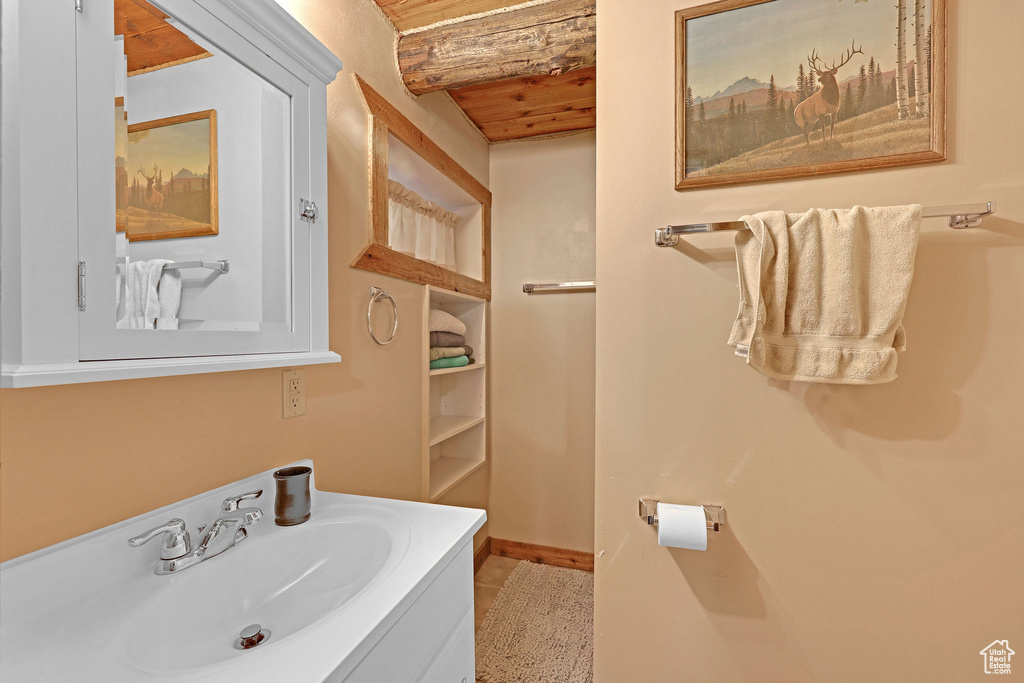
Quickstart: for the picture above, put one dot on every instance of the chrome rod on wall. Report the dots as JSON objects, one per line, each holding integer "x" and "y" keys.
{"x": 221, "y": 266}
{"x": 530, "y": 288}
{"x": 959, "y": 217}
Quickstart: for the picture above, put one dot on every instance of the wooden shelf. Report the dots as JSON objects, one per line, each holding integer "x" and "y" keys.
{"x": 447, "y": 426}
{"x": 444, "y": 296}
{"x": 449, "y": 371}
{"x": 455, "y": 443}
{"x": 446, "y": 473}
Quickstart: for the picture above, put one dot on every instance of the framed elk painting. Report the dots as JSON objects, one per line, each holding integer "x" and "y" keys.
{"x": 172, "y": 177}
{"x": 771, "y": 89}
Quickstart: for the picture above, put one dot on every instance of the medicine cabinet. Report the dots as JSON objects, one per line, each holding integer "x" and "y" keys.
{"x": 164, "y": 189}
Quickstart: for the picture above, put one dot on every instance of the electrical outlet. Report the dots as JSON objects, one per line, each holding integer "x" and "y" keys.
{"x": 294, "y": 396}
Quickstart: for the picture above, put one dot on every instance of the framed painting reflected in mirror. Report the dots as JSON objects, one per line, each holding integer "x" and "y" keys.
{"x": 172, "y": 177}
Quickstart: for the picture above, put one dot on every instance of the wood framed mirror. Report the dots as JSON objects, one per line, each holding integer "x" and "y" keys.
{"x": 408, "y": 168}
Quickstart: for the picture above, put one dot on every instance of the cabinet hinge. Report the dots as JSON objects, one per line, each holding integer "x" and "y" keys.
{"x": 308, "y": 211}
{"x": 81, "y": 285}
{"x": 78, "y": 5}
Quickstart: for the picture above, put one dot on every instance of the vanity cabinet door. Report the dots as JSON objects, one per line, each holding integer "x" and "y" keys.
{"x": 201, "y": 157}
{"x": 433, "y": 639}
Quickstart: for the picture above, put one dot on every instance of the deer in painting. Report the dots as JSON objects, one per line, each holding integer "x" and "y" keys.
{"x": 154, "y": 199}
{"x": 825, "y": 102}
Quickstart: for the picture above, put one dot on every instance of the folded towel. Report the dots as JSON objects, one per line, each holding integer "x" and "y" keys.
{"x": 450, "y": 351}
{"x": 455, "y": 362}
{"x": 447, "y": 352}
{"x": 446, "y": 339}
{"x": 442, "y": 321}
{"x": 142, "y": 302}
{"x": 822, "y": 294}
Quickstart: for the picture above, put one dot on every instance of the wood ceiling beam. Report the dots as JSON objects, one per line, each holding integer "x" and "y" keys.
{"x": 534, "y": 40}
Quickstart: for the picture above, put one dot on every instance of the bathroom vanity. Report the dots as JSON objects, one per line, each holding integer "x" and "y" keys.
{"x": 367, "y": 590}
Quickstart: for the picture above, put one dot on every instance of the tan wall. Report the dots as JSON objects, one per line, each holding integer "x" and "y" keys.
{"x": 75, "y": 458}
{"x": 874, "y": 533}
{"x": 542, "y": 346}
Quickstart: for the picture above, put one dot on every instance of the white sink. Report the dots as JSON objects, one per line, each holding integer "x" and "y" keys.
{"x": 93, "y": 609}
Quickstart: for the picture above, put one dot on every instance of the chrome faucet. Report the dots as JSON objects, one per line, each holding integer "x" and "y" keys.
{"x": 229, "y": 529}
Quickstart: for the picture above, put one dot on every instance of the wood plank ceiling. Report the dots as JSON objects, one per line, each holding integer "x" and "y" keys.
{"x": 555, "y": 88}
{"x": 149, "y": 41}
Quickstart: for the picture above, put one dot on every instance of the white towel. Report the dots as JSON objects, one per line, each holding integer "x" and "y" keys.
{"x": 169, "y": 298}
{"x": 142, "y": 302}
{"x": 822, "y": 294}
{"x": 442, "y": 321}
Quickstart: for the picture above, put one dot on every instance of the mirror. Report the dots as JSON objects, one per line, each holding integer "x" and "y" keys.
{"x": 429, "y": 218}
{"x": 203, "y": 182}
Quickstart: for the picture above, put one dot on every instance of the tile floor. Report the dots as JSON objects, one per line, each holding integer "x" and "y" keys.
{"x": 488, "y": 582}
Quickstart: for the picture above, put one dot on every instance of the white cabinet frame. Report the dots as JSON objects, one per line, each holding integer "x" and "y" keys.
{"x": 47, "y": 186}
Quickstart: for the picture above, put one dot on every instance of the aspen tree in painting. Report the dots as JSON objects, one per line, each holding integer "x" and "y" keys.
{"x": 800, "y": 87}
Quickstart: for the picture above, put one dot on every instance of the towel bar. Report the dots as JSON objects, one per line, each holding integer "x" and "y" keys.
{"x": 530, "y": 288}
{"x": 221, "y": 266}
{"x": 959, "y": 217}
{"x": 715, "y": 514}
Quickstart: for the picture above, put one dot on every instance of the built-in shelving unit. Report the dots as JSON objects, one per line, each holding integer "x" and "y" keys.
{"x": 450, "y": 371}
{"x": 455, "y": 405}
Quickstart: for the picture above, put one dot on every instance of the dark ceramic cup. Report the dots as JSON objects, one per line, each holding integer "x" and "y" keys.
{"x": 292, "y": 505}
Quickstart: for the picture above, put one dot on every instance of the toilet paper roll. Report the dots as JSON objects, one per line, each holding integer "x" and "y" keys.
{"x": 682, "y": 526}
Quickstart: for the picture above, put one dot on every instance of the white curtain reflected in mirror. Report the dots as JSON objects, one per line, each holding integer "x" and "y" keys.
{"x": 203, "y": 176}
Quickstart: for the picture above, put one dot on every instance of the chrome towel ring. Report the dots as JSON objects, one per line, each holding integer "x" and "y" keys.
{"x": 378, "y": 294}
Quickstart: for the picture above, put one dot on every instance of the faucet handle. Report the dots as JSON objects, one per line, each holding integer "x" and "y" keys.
{"x": 176, "y": 542}
{"x": 231, "y": 504}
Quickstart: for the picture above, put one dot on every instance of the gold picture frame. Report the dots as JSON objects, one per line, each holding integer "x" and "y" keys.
{"x": 184, "y": 205}
{"x": 835, "y": 119}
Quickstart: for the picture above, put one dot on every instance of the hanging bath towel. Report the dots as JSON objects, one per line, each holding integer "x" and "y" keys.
{"x": 822, "y": 294}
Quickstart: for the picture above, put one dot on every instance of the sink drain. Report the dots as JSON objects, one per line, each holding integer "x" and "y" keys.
{"x": 251, "y": 636}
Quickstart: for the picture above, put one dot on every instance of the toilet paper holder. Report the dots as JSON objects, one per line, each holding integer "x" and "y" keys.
{"x": 715, "y": 514}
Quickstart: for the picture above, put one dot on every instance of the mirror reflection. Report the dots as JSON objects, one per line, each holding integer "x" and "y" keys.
{"x": 203, "y": 182}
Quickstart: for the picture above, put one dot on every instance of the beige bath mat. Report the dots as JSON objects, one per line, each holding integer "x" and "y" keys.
{"x": 540, "y": 629}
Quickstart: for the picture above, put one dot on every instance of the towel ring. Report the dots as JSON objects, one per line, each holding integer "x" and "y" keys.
{"x": 378, "y": 294}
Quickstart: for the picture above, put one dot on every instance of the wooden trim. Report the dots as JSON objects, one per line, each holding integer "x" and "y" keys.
{"x": 378, "y": 181}
{"x": 404, "y": 129}
{"x": 211, "y": 115}
{"x": 936, "y": 154}
{"x": 558, "y": 557}
{"x": 384, "y": 119}
{"x": 176, "y": 62}
{"x": 481, "y": 555}
{"x": 938, "y": 93}
{"x": 380, "y": 259}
